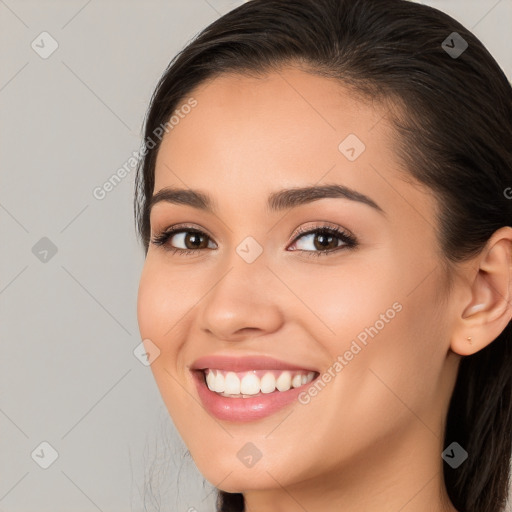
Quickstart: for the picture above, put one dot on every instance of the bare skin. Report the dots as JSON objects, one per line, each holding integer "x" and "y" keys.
{"x": 372, "y": 438}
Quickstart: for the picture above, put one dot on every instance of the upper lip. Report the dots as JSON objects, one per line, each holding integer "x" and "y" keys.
{"x": 244, "y": 363}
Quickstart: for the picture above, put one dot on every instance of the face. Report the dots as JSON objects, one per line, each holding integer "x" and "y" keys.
{"x": 345, "y": 288}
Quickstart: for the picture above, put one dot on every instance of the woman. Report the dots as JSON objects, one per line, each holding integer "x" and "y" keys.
{"x": 377, "y": 135}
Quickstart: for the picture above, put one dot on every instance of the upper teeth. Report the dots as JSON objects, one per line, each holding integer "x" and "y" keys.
{"x": 249, "y": 383}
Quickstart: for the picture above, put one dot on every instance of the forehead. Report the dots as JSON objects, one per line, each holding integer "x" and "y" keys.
{"x": 262, "y": 123}
{"x": 248, "y": 136}
{"x": 292, "y": 100}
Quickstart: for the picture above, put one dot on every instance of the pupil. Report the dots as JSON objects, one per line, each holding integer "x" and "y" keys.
{"x": 196, "y": 239}
{"x": 325, "y": 240}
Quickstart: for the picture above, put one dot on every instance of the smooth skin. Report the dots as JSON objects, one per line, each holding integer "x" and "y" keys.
{"x": 372, "y": 438}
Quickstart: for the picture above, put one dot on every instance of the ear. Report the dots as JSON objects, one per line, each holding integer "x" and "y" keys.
{"x": 489, "y": 285}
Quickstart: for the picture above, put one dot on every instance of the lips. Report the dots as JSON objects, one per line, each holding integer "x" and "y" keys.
{"x": 237, "y": 406}
{"x": 245, "y": 363}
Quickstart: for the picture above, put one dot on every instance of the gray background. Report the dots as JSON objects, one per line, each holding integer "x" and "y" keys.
{"x": 68, "y": 320}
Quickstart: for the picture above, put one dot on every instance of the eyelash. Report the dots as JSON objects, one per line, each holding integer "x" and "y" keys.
{"x": 349, "y": 240}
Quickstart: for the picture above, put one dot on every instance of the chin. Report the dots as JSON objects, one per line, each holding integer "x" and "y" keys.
{"x": 233, "y": 476}
{"x": 242, "y": 483}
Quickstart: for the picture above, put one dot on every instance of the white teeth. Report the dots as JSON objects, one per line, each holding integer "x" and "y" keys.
{"x": 219, "y": 382}
{"x": 268, "y": 383}
{"x": 284, "y": 381}
{"x": 230, "y": 384}
{"x": 250, "y": 384}
{"x": 297, "y": 381}
{"x": 210, "y": 380}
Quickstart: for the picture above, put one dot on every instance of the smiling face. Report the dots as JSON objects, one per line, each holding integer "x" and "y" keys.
{"x": 373, "y": 314}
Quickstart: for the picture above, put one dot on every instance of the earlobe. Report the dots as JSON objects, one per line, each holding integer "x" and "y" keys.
{"x": 489, "y": 311}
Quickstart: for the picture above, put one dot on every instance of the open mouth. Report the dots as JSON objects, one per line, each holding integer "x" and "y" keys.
{"x": 239, "y": 388}
{"x": 253, "y": 383}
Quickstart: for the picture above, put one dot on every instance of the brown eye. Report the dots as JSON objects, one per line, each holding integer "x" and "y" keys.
{"x": 195, "y": 240}
{"x": 187, "y": 240}
{"x": 323, "y": 240}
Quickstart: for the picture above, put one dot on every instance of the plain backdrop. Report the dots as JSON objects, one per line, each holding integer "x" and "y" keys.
{"x": 73, "y": 395}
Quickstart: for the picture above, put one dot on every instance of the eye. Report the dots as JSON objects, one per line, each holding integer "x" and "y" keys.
{"x": 192, "y": 240}
{"x": 323, "y": 240}
{"x": 316, "y": 241}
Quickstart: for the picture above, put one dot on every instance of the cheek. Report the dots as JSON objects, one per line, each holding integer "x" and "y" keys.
{"x": 390, "y": 334}
{"x": 158, "y": 310}
{"x": 148, "y": 299}
{"x": 339, "y": 302}
{"x": 163, "y": 311}
{"x": 161, "y": 302}
{"x": 400, "y": 362}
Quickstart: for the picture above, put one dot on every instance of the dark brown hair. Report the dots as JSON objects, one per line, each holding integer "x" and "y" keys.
{"x": 453, "y": 127}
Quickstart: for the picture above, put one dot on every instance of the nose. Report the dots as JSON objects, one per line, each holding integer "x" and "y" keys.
{"x": 242, "y": 303}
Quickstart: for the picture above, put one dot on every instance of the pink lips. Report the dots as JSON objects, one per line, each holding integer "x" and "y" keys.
{"x": 246, "y": 363}
{"x": 243, "y": 409}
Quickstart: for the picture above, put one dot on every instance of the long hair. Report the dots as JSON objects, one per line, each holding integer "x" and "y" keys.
{"x": 453, "y": 129}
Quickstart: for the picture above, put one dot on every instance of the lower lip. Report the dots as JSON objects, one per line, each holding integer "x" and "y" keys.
{"x": 244, "y": 409}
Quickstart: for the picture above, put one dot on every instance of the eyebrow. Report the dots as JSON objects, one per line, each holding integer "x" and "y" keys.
{"x": 277, "y": 201}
